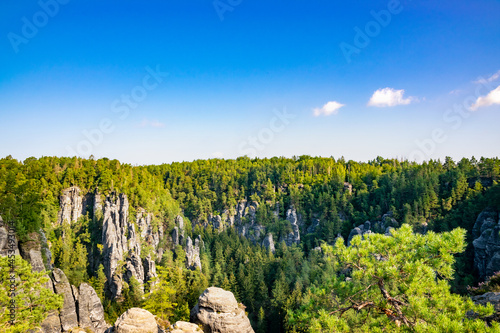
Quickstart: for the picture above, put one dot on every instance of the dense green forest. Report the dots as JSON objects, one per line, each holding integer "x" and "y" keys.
{"x": 282, "y": 291}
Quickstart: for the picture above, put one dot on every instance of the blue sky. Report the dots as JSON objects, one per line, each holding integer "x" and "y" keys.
{"x": 419, "y": 79}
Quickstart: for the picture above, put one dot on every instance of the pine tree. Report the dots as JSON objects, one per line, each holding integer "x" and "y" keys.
{"x": 32, "y": 300}
{"x": 397, "y": 282}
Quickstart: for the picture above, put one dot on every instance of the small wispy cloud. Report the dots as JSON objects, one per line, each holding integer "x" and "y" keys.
{"x": 151, "y": 123}
{"x": 492, "y": 78}
{"x": 387, "y": 97}
{"x": 456, "y": 92}
{"x": 328, "y": 109}
{"x": 492, "y": 98}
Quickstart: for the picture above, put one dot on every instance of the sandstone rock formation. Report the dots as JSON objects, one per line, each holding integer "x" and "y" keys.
{"x": 218, "y": 311}
{"x": 5, "y": 247}
{"x": 494, "y": 299}
{"x": 67, "y": 313}
{"x": 72, "y": 205}
{"x": 294, "y": 236}
{"x": 193, "y": 260}
{"x": 383, "y": 226}
{"x": 90, "y": 310}
{"x": 178, "y": 232}
{"x": 268, "y": 243}
{"x": 121, "y": 243}
{"x": 136, "y": 320}
{"x": 185, "y": 327}
{"x": 487, "y": 243}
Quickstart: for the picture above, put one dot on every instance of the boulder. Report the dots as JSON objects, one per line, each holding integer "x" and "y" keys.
{"x": 136, "y": 320}
{"x": 218, "y": 311}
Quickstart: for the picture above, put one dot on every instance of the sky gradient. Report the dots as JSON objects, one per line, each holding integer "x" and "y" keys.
{"x": 163, "y": 81}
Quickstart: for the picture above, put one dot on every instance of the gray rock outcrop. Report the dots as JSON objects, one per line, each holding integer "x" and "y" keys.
{"x": 72, "y": 205}
{"x": 178, "y": 232}
{"x": 136, "y": 320}
{"x": 382, "y": 226}
{"x": 90, "y": 310}
{"x": 218, "y": 311}
{"x": 487, "y": 243}
{"x": 120, "y": 244}
{"x": 67, "y": 314}
{"x": 294, "y": 236}
{"x": 494, "y": 299}
{"x": 193, "y": 260}
{"x": 268, "y": 243}
{"x": 150, "y": 232}
{"x": 5, "y": 247}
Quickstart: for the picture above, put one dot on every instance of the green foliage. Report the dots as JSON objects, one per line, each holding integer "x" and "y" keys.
{"x": 276, "y": 288}
{"x": 32, "y": 299}
{"x": 174, "y": 292}
{"x": 397, "y": 282}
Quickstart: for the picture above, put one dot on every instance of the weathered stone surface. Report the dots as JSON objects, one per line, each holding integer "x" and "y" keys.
{"x": 185, "y": 327}
{"x": 36, "y": 260}
{"x": 217, "y": 223}
{"x": 314, "y": 227}
{"x": 136, "y": 320}
{"x": 51, "y": 324}
{"x": 294, "y": 236}
{"x": 149, "y": 269}
{"x": 5, "y": 247}
{"x": 148, "y": 232}
{"x": 90, "y": 309}
{"x": 120, "y": 242}
{"x": 175, "y": 236}
{"x": 67, "y": 313}
{"x": 193, "y": 260}
{"x": 268, "y": 243}
{"x": 72, "y": 205}
{"x": 45, "y": 250}
{"x": 487, "y": 243}
{"x": 385, "y": 225}
{"x": 218, "y": 311}
{"x": 494, "y": 299}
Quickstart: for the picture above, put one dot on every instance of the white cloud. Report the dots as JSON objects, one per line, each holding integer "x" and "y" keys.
{"x": 153, "y": 123}
{"x": 389, "y": 97}
{"x": 492, "y": 98}
{"x": 492, "y": 78}
{"x": 328, "y": 109}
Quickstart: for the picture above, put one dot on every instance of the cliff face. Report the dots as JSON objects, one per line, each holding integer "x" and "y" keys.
{"x": 121, "y": 238}
{"x": 72, "y": 205}
{"x": 122, "y": 244}
{"x": 487, "y": 243}
{"x": 82, "y": 308}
